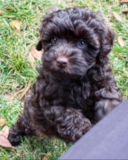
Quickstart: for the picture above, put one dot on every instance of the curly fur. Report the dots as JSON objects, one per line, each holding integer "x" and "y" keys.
{"x": 68, "y": 98}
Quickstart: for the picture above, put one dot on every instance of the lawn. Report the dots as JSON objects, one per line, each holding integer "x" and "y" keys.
{"x": 16, "y": 70}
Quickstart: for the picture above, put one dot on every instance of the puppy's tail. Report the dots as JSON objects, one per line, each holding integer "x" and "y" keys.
{"x": 52, "y": 9}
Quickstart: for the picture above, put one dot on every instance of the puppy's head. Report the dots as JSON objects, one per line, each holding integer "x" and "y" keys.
{"x": 74, "y": 40}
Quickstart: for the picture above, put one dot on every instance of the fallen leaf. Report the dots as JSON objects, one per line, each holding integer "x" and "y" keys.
{"x": 10, "y": 9}
{"x": 125, "y": 12}
{"x": 2, "y": 122}
{"x": 26, "y": 89}
{"x": 46, "y": 156}
{"x": 124, "y": 1}
{"x": 31, "y": 58}
{"x": 120, "y": 41}
{"x": 11, "y": 97}
{"x": 70, "y": 4}
{"x": 1, "y": 12}
{"x": 15, "y": 24}
{"x": 5, "y": 142}
{"x": 5, "y": 131}
{"x": 117, "y": 16}
{"x": 37, "y": 54}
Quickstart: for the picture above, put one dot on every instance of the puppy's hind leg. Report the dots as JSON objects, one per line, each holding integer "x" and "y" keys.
{"x": 25, "y": 124}
{"x": 109, "y": 99}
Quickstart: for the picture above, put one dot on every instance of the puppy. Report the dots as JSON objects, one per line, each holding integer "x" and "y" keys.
{"x": 75, "y": 87}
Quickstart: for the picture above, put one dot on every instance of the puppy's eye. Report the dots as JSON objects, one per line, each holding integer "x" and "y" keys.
{"x": 81, "y": 43}
{"x": 54, "y": 40}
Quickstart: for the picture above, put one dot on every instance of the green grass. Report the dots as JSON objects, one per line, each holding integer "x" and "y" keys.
{"x": 16, "y": 71}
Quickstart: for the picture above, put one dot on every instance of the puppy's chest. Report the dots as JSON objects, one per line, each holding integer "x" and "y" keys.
{"x": 72, "y": 96}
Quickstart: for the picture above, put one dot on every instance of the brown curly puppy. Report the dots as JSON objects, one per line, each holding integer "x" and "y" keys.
{"x": 75, "y": 87}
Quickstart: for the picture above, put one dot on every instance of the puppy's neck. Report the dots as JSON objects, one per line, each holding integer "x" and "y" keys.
{"x": 78, "y": 80}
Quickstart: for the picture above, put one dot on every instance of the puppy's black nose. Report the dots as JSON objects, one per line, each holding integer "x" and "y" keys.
{"x": 62, "y": 62}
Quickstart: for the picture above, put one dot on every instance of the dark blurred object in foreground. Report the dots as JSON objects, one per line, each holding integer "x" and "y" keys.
{"x": 108, "y": 139}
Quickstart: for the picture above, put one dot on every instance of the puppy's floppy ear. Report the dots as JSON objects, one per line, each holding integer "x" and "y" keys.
{"x": 39, "y": 45}
{"x": 106, "y": 40}
{"x": 43, "y": 25}
{"x": 52, "y": 9}
{"x": 46, "y": 18}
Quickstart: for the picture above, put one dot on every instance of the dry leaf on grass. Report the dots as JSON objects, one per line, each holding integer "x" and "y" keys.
{"x": 125, "y": 12}
{"x": 31, "y": 58}
{"x": 37, "y": 54}
{"x": 5, "y": 131}
{"x": 15, "y": 24}
{"x": 10, "y": 9}
{"x": 46, "y": 156}
{"x": 124, "y": 1}
{"x": 2, "y": 122}
{"x": 5, "y": 142}
{"x": 120, "y": 41}
{"x": 1, "y": 12}
{"x": 11, "y": 97}
{"x": 117, "y": 16}
{"x": 26, "y": 89}
{"x": 70, "y": 4}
